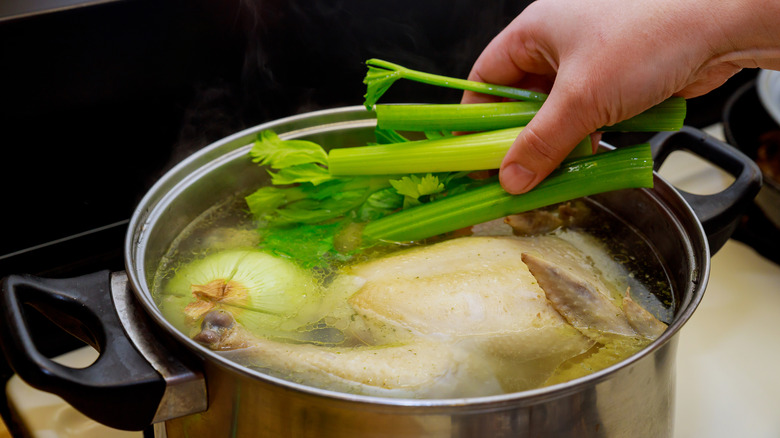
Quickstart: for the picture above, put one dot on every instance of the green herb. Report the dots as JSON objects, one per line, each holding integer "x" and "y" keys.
{"x": 413, "y": 188}
{"x": 382, "y": 74}
{"x": 293, "y": 160}
{"x": 305, "y": 209}
{"x": 666, "y": 116}
{"x": 305, "y": 220}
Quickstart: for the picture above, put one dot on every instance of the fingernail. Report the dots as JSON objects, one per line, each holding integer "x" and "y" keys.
{"x": 516, "y": 179}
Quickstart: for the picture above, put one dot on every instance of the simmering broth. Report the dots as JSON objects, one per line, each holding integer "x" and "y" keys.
{"x": 473, "y": 321}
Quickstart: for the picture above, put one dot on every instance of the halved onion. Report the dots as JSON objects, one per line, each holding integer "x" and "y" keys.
{"x": 263, "y": 292}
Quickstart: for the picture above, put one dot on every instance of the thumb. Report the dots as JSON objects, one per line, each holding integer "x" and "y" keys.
{"x": 541, "y": 146}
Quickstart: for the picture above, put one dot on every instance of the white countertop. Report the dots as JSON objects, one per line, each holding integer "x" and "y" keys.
{"x": 728, "y": 383}
{"x": 728, "y": 352}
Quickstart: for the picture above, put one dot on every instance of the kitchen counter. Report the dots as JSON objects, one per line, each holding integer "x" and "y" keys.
{"x": 727, "y": 379}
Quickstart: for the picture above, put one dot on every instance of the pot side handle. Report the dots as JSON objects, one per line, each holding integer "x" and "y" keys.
{"x": 719, "y": 213}
{"x": 121, "y": 389}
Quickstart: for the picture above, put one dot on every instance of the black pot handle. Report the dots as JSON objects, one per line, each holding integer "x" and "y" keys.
{"x": 719, "y": 213}
{"x": 123, "y": 388}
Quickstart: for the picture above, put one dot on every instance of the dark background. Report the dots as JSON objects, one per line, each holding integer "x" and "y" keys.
{"x": 98, "y": 100}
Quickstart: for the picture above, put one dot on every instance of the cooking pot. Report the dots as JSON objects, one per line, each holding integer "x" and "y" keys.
{"x": 148, "y": 372}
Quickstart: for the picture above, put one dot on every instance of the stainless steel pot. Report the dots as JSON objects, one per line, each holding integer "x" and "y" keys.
{"x": 148, "y": 372}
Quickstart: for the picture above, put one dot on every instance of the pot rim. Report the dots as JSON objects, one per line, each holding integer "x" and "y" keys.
{"x": 188, "y": 169}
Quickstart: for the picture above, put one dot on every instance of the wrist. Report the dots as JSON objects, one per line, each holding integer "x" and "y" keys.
{"x": 749, "y": 33}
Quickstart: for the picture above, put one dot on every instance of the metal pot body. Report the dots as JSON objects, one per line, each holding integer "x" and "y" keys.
{"x": 632, "y": 399}
{"x": 149, "y": 372}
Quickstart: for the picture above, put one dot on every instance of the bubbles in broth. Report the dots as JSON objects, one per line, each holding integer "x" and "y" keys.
{"x": 457, "y": 316}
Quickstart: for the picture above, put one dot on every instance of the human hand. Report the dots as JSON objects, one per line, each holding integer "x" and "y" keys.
{"x": 604, "y": 61}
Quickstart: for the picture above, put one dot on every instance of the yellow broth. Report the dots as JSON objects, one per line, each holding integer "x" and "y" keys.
{"x": 228, "y": 227}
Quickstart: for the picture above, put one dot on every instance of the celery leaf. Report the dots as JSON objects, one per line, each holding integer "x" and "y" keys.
{"x": 379, "y": 204}
{"x": 295, "y": 160}
{"x": 414, "y": 187}
{"x": 308, "y": 172}
{"x": 381, "y": 75}
{"x": 270, "y": 150}
{"x": 309, "y": 245}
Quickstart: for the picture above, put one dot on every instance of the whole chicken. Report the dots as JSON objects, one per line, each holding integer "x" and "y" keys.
{"x": 471, "y": 316}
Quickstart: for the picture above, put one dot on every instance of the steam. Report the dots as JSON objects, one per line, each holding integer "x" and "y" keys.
{"x": 305, "y": 55}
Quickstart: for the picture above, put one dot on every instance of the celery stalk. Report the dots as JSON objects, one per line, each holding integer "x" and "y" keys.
{"x": 455, "y": 117}
{"x": 628, "y": 167}
{"x": 479, "y": 151}
{"x": 666, "y": 116}
{"x": 382, "y": 74}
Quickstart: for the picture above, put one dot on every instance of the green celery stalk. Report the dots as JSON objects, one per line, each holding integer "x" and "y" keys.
{"x": 455, "y": 117}
{"x": 628, "y": 167}
{"x": 382, "y": 74}
{"x": 666, "y": 116}
{"x": 479, "y": 151}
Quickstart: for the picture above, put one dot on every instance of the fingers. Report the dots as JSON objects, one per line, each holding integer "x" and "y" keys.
{"x": 518, "y": 57}
{"x": 605, "y": 68}
{"x": 494, "y": 66}
{"x": 543, "y": 144}
{"x": 506, "y": 61}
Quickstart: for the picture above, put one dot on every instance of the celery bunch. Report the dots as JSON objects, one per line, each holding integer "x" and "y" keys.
{"x": 306, "y": 208}
{"x": 324, "y": 205}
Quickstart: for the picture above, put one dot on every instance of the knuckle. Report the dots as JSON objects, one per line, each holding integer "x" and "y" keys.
{"x": 540, "y": 150}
